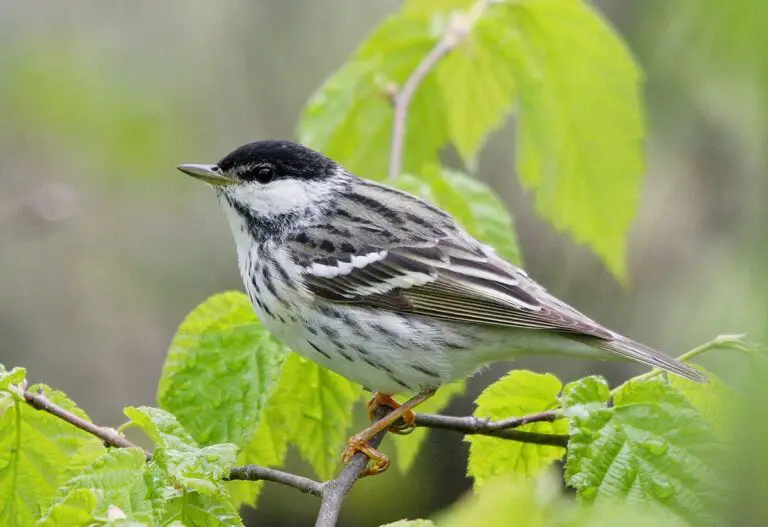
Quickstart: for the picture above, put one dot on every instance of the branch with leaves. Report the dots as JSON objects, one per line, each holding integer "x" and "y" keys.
{"x": 332, "y": 492}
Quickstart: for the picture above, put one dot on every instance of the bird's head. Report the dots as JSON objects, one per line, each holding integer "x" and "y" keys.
{"x": 272, "y": 178}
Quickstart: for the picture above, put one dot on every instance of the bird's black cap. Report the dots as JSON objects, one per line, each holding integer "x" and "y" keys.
{"x": 289, "y": 159}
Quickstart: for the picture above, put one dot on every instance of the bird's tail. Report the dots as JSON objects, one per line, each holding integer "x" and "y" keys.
{"x": 637, "y": 352}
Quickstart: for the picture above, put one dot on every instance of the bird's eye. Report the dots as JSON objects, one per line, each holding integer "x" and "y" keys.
{"x": 265, "y": 174}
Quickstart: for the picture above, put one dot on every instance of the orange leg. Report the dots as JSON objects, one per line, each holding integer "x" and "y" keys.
{"x": 405, "y": 423}
{"x": 359, "y": 442}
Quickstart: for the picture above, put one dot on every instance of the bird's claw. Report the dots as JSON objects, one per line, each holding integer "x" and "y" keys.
{"x": 403, "y": 426}
{"x": 357, "y": 444}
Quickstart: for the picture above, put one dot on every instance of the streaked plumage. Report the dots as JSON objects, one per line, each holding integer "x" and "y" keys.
{"x": 382, "y": 287}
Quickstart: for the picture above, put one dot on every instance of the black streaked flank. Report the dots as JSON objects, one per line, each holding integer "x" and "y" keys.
{"x": 425, "y": 371}
{"x": 321, "y": 352}
{"x": 342, "y": 350}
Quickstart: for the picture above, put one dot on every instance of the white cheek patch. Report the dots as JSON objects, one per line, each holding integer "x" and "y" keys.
{"x": 342, "y": 268}
{"x": 279, "y": 196}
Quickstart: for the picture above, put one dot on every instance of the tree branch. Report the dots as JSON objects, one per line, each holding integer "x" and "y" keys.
{"x": 502, "y": 429}
{"x": 109, "y": 436}
{"x": 459, "y": 26}
{"x": 336, "y": 490}
{"x": 332, "y": 492}
{"x": 257, "y": 472}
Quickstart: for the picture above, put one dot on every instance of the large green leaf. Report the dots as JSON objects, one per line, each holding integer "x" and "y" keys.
{"x": 117, "y": 478}
{"x": 475, "y": 206}
{"x": 516, "y": 394}
{"x": 268, "y": 447}
{"x": 316, "y": 406}
{"x": 38, "y": 452}
{"x": 220, "y": 369}
{"x": 652, "y": 447}
{"x": 187, "y": 465}
{"x": 75, "y": 510}
{"x": 350, "y": 117}
{"x": 581, "y": 126}
{"x": 478, "y": 86}
{"x": 410, "y": 523}
{"x": 409, "y": 446}
{"x": 198, "y": 510}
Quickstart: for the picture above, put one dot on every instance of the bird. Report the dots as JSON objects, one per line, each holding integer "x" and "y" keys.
{"x": 383, "y": 287}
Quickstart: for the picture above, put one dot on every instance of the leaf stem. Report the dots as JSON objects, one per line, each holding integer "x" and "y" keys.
{"x": 459, "y": 26}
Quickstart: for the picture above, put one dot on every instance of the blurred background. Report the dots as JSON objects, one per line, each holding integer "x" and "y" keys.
{"x": 104, "y": 246}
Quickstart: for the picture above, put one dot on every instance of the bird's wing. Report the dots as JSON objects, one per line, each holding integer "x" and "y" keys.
{"x": 389, "y": 250}
{"x": 445, "y": 275}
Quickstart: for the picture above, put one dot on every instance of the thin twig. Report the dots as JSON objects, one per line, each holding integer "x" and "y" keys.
{"x": 335, "y": 490}
{"x": 504, "y": 429}
{"x": 459, "y": 26}
{"x": 257, "y": 472}
{"x": 109, "y": 436}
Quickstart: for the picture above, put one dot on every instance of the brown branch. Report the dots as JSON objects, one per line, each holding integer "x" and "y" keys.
{"x": 257, "y": 472}
{"x": 109, "y": 436}
{"x": 332, "y": 492}
{"x": 459, "y": 26}
{"x": 335, "y": 490}
{"x": 504, "y": 429}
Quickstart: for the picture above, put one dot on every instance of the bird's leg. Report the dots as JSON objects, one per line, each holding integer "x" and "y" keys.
{"x": 404, "y": 425}
{"x": 359, "y": 442}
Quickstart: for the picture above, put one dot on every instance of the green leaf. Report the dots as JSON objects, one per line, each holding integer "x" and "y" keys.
{"x": 716, "y": 401}
{"x": 410, "y": 523}
{"x": 517, "y": 394}
{"x": 587, "y": 390}
{"x": 187, "y": 465}
{"x": 408, "y": 447}
{"x": 38, "y": 452}
{"x": 581, "y": 126}
{"x": 475, "y": 206}
{"x": 651, "y": 448}
{"x": 15, "y": 376}
{"x": 478, "y": 86}
{"x": 117, "y": 478}
{"x": 198, "y": 510}
{"x": 512, "y": 500}
{"x": 221, "y": 367}
{"x": 316, "y": 404}
{"x": 350, "y": 117}
{"x": 75, "y": 510}
{"x": 268, "y": 448}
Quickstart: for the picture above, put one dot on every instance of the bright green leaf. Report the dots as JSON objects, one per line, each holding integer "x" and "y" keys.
{"x": 117, "y": 478}
{"x": 350, "y": 117}
{"x": 410, "y": 523}
{"x": 508, "y": 500}
{"x": 588, "y": 390}
{"x": 15, "y": 376}
{"x": 189, "y": 466}
{"x": 38, "y": 452}
{"x": 516, "y": 394}
{"x": 408, "y": 447}
{"x": 651, "y": 448}
{"x": 220, "y": 369}
{"x": 268, "y": 447}
{"x": 75, "y": 510}
{"x": 715, "y": 400}
{"x": 475, "y": 206}
{"x": 581, "y": 126}
{"x": 316, "y": 404}
{"x": 197, "y": 510}
{"x": 478, "y": 86}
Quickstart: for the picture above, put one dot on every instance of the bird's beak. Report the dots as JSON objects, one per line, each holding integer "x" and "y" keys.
{"x": 207, "y": 173}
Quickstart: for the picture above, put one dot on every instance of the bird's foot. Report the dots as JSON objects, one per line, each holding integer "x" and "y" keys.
{"x": 404, "y": 425}
{"x": 359, "y": 443}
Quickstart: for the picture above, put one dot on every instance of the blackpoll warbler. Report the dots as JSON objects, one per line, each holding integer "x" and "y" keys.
{"x": 382, "y": 287}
